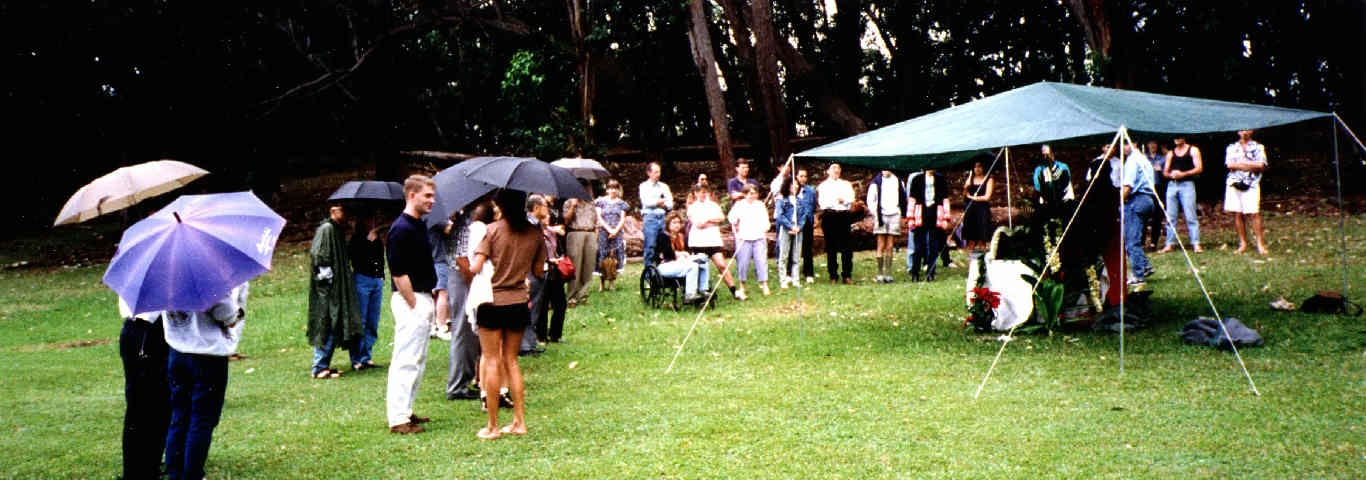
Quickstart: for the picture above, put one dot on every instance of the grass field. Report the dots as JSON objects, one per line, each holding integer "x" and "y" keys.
{"x": 869, "y": 381}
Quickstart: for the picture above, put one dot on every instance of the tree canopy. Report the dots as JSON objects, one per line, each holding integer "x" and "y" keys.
{"x": 239, "y": 87}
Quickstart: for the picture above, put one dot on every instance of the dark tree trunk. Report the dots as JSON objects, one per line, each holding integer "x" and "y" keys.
{"x": 700, "y": 39}
{"x": 766, "y": 62}
{"x": 578, "y": 26}
{"x": 847, "y": 48}
{"x": 1109, "y": 34}
{"x": 739, "y": 19}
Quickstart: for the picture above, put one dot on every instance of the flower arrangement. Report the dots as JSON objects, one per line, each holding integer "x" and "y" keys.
{"x": 982, "y": 311}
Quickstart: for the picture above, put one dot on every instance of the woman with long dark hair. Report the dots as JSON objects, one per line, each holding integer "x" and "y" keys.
{"x": 515, "y": 247}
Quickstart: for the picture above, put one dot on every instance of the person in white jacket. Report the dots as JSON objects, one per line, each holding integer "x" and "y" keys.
{"x": 198, "y": 376}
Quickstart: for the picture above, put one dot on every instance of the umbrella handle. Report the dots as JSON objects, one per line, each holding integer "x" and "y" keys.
{"x": 177, "y": 217}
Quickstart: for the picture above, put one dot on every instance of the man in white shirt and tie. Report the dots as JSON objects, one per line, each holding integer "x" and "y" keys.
{"x": 835, "y": 197}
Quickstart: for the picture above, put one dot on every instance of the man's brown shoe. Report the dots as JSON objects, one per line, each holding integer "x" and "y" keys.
{"x": 406, "y": 429}
{"x": 848, "y": 281}
{"x": 416, "y": 419}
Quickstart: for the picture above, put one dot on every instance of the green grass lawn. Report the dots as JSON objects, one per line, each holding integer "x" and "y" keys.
{"x": 870, "y": 381}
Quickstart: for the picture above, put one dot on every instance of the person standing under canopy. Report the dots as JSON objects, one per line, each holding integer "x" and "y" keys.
{"x": 835, "y": 196}
{"x": 1183, "y": 165}
{"x": 1052, "y": 180}
{"x": 1140, "y": 205}
{"x": 1246, "y": 160}
{"x": 334, "y": 319}
{"x": 885, "y": 201}
{"x": 927, "y": 213}
{"x": 977, "y": 224}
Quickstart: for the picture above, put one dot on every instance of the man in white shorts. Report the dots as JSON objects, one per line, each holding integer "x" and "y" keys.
{"x": 1246, "y": 160}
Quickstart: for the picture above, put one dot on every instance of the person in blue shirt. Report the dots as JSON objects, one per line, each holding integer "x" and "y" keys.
{"x": 1052, "y": 180}
{"x": 1140, "y": 206}
{"x": 792, "y": 213}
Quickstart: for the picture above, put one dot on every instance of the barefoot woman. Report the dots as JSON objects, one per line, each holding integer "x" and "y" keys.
{"x": 515, "y": 247}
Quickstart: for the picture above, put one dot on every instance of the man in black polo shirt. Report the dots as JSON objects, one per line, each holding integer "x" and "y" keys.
{"x": 410, "y": 265}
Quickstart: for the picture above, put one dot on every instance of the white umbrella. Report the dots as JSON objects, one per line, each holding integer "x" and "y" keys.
{"x": 127, "y": 186}
{"x": 584, "y": 168}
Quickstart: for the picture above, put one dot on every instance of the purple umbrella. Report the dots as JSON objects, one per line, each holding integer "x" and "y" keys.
{"x": 194, "y": 251}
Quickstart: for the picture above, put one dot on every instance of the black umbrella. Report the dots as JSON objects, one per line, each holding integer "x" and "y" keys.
{"x": 455, "y": 190}
{"x": 528, "y": 175}
{"x": 368, "y": 190}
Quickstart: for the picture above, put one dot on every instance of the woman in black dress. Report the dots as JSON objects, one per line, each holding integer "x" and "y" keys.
{"x": 977, "y": 226}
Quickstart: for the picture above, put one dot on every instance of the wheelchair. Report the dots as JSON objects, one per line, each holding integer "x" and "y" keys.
{"x": 658, "y": 291}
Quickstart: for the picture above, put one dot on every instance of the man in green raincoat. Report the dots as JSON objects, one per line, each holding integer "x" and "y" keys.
{"x": 333, "y": 310}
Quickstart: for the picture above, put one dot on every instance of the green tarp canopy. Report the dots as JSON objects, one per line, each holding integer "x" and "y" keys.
{"x": 1039, "y": 113}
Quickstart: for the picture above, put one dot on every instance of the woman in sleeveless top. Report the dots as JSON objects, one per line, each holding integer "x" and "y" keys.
{"x": 977, "y": 225}
{"x": 1183, "y": 166}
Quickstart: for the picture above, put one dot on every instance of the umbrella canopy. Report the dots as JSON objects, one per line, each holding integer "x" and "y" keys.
{"x": 454, "y": 190}
{"x": 528, "y": 175}
{"x": 126, "y": 186}
{"x": 368, "y": 190}
{"x": 584, "y": 168}
{"x": 1044, "y": 112}
{"x": 193, "y": 252}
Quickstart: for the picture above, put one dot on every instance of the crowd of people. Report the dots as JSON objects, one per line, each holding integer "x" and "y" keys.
{"x": 497, "y": 277}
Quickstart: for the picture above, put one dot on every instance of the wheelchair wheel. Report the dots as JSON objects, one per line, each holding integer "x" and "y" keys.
{"x": 647, "y": 287}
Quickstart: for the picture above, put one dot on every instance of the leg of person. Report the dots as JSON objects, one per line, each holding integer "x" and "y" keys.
{"x": 180, "y": 381}
{"x": 703, "y": 278}
{"x": 910, "y": 250}
{"x": 206, "y": 407}
{"x": 1173, "y": 200}
{"x": 539, "y": 310}
{"x": 576, "y": 248}
{"x": 322, "y": 356}
{"x": 1134, "y": 220}
{"x": 491, "y": 343}
{"x": 619, "y": 245}
{"x": 784, "y": 246}
{"x": 808, "y": 235}
{"x": 1186, "y": 194}
{"x": 794, "y": 262}
{"x": 761, "y": 263}
{"x": 443, "y": 310}
{"x": 652, "y": 223}
{"x": 846, "y": 254}
{"x": 880, "y": 252}
{"x": 409, "y": 356}
{"x": 589, "y": 256}
{"x": 719, "y": 259}
{"x": 465, "y": 353}
{"x": 604, "y": 247}
{"x": 1233, "y": 204}
{"x": 369, "y": 292}
{"x": 944, "y": 248}
{"x": 919, "y": 252}
{"x": 936, "y": 246}
{"x": 1252, "y": 205}
{"x": 744, "y": 250}
{"x": 829, "y": 227}
{"x": 674, "y": 269}
{"x": 558, "y": 303}
{"x": 458, "y": 370}
{"x": 690, "y": 280}
{"x": 142, "y": 346}
{"x": 513, "y": 379}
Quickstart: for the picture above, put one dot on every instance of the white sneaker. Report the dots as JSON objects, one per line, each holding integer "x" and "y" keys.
{"x": 782, "y": 283}
{"x": 810, "y": 279}
{"x": 740, "y": 294}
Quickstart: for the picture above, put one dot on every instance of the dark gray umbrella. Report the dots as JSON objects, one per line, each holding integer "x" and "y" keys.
{"x": 455, "y": 190}
{"x": 368, "y": 190}
{"x": 528, "y": 175}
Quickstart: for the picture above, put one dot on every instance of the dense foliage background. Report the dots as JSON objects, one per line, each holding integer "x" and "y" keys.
{"x": 256, "y": 90}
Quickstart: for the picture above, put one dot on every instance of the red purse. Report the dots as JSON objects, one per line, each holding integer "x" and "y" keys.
{"x": 566, "y": 267}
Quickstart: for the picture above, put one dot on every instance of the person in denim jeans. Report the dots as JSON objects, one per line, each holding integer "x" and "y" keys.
{"x": 367, "y": 261}
{"x": 1136, "y": 188}
{"x": 655, "y": 201}
{"x": 1184, "y": 164}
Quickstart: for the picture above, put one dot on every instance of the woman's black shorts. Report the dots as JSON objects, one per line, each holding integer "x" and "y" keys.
{"x": 503, "y": 317}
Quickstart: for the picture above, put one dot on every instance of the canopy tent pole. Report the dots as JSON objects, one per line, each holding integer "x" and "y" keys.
{"x": 1201, "y": 282}
{"x": 1123, "y": 255}
{"x": 1342, "y": 212}
{"x": 1040, "y": 278}
{"x": 1010, "y": 211}
{"x": 1350, "y": 132}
